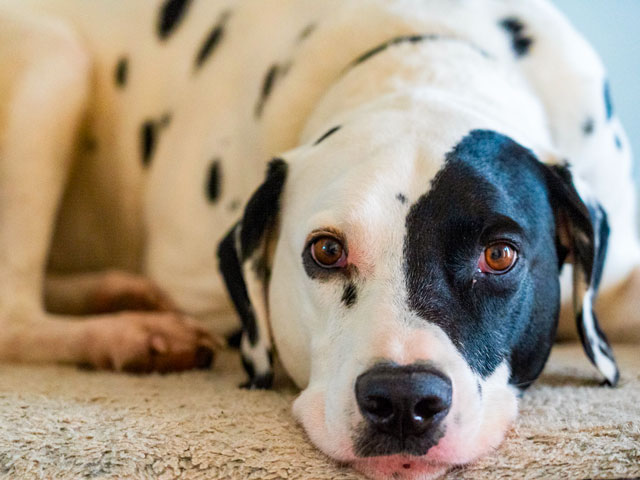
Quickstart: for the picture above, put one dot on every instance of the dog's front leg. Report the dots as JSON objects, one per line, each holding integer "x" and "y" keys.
{"x": 104, "y": 292}
{"x": 44, "y": 85}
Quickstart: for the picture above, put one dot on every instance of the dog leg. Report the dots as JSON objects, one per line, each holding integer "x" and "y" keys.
{"x": 44, "y": 83}
{"x": 104, "y": 292}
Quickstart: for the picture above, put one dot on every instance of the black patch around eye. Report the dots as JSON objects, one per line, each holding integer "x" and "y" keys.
{"x": 327, "y": 134}
{"x": 350, "y": 295}
{"x": 520, "y": 42}
{"x": 608, "y": 103}
{"x": 211, "y": 42}
{"x": 148, "y": 131}
{"x": 267, "y": 87}
{"x": 213, "y": 182}
{"x": 121, "y": 72}
{"x": 401, "y": 198}
{"x": 494, "y": 319}
{"x": 171, "y": 13}
{"x": 588, "y": 126}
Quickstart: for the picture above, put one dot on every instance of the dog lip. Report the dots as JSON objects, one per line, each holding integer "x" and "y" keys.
{"x": 407, "y": 466}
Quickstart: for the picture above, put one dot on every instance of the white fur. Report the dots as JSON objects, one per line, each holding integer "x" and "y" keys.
{"x": 400, "y": 112}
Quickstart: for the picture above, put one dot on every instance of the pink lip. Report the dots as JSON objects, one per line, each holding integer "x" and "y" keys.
{"x": 399, "y": 466}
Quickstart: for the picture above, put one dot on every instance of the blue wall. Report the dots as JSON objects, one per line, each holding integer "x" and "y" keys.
{"x": 612, "y": 27}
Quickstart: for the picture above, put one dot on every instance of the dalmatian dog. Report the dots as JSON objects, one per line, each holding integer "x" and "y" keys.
{"x": 434, "y": 164}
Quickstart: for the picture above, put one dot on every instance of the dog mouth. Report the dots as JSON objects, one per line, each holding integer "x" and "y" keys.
{"x": 400, "y": 467}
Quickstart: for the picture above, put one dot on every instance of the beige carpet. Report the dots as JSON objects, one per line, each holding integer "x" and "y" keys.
{"x": 61, "y": 422}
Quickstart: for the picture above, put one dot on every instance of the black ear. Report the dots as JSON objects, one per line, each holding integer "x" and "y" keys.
{"x": 582, "y": 236}
{"x": 244, "y": 261}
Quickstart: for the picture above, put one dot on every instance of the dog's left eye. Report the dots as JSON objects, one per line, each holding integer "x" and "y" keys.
{"x": 328, "y": 252}
{"x": 497, "y": 258}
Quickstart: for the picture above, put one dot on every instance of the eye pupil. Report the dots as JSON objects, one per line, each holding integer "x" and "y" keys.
{"x": 327, "y": 251}
{"x": 500, "y": 257}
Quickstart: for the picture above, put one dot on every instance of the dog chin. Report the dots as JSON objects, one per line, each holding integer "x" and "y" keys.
{"x": 399, "y": 467}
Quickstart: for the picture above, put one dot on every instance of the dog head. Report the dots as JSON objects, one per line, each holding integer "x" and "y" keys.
{"x": 411, "y": 288}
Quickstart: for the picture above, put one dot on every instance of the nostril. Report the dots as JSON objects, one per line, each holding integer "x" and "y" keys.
{"x": 380, "y": 407}
{"x": 403, "y": 401}
{"x": 428, "y": 407}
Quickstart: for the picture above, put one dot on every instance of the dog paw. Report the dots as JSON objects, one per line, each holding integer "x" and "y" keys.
{"x": 146, "y": 342}
{"x": 119, "y": 291}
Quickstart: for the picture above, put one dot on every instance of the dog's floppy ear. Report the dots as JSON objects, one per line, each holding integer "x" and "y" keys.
{"x": 582, "y": 236}
{"x": 245, "y": 264}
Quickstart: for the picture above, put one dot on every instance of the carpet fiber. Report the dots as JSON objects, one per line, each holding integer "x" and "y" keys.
{"x": 61, "y": 422}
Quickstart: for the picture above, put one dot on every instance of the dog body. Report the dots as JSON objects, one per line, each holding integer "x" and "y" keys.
{"x": 408, "y": 132}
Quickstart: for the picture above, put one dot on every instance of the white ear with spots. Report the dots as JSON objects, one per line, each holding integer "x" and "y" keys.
{"x": 244, "y": 261}
{"x": 584, "y": 232}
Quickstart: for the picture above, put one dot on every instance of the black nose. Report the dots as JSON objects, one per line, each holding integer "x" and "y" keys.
{"x": 403, "y": 401}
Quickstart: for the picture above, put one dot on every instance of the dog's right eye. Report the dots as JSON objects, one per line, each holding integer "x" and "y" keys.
{"x": 328, "y": 252}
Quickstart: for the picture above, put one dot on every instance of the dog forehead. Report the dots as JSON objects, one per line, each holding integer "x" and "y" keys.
{"x": 363, "y": 166}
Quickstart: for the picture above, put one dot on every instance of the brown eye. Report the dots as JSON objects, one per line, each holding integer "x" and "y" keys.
{"x": 328, "y": 252}
{"x": 498, "y": 258}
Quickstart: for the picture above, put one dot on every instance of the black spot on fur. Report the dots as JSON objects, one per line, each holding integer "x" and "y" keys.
{"x": 588, "y": 126}
{"x": 148, "y": 132}
{"x": 401, "y": 198}
{"x": 122, "y": 72}
{"x": 520, "y": 43}
{"x": 234, "y": 205}
{"x": 308, "y": 30}
{"x": 327, "y": 134}
{"x": 608, "y": 103}
{"x": 618, "y": 142}
{"x": 211, "y": 41}
{"x": 350, "y": 295}
{"x": 213, "y": 181}
{"x": 171, "y": 13}
{"x": 411, "y": 39}
{"x": 165, "y": 120}
{"x": 267, "y": 87}
{"x": 89, "y": 143}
